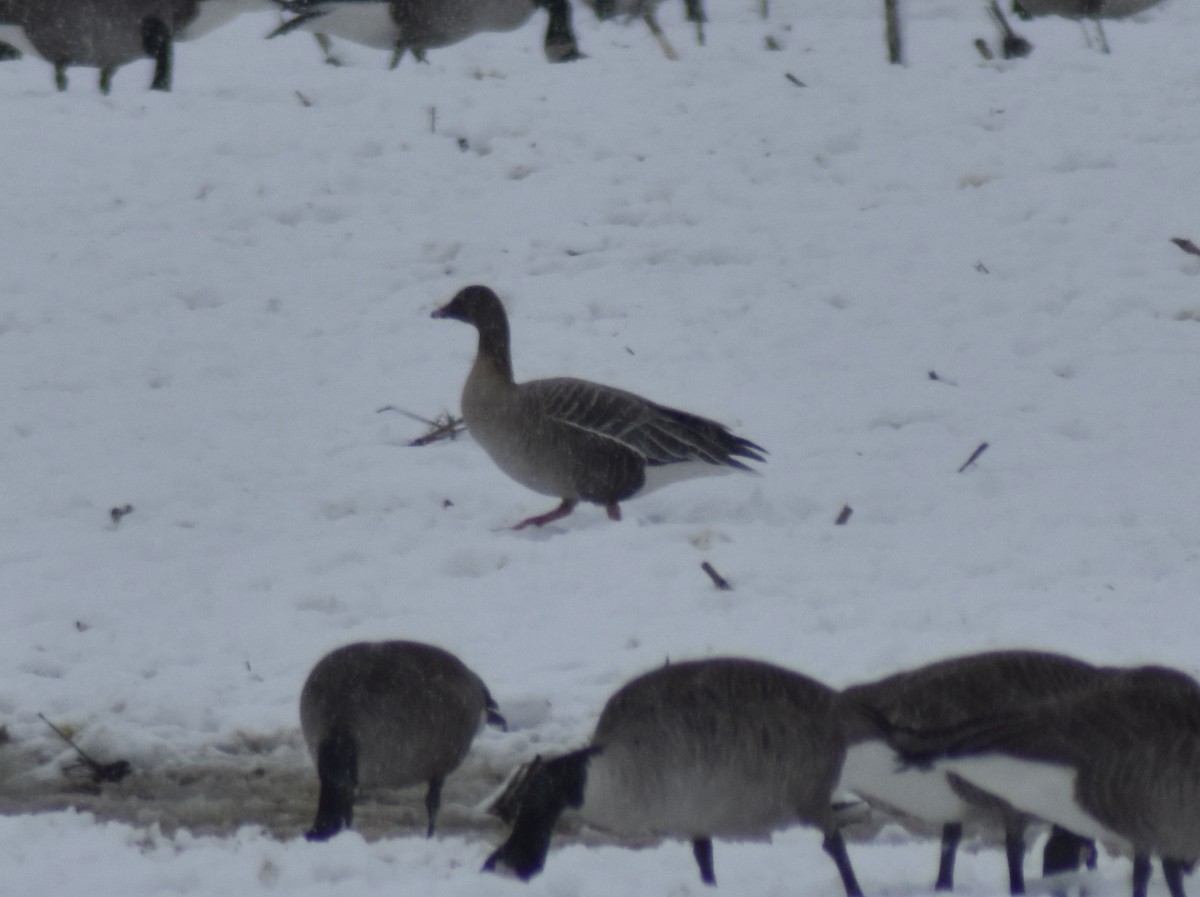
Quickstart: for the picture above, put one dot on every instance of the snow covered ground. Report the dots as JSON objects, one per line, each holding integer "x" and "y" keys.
{"x": 207, "y": 297}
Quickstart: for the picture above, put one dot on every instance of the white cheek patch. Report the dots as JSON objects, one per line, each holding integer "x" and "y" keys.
{"x": 1045, "y": 790}
{"x": 873, "y": 772}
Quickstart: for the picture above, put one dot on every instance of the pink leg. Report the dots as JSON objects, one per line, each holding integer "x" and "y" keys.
{"x": 567, "y": 506}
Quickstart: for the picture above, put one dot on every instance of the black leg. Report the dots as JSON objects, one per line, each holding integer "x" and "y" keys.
{"x": 1065, "y": 851}
{"x": 836, "y": 848}
{"x": 1141, "y": 874}
{"x": 60, "y": 75}
{"x": 337, "y": 767}
{"x": 559, "y": 45}
{"x": 156, "y": 41}
{"x": 1173, "y": 873}
{"x": 433, "y": 800}
{"x": 951, "y": 835}
{"x": 702, "y": 851}
{"x": 1014, "y": 849}
{"x": 106, "y": 80}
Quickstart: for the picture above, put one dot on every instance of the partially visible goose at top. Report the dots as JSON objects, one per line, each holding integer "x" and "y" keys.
{"x": 574, "y": 439}
{"x": 388, "y": 714}
{"x": 1120, "y": 764}
{"x": 420, "y": 25}
{"x": 939, "y": 697}
{"x": 107, "y": 34}
{"x": 1084, "y": 11}
{"x": 726, "y": 747}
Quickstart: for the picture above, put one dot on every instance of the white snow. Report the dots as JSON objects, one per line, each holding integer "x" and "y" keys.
{"x": 206, "y": 297}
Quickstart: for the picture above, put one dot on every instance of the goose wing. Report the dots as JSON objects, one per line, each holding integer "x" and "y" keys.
{"x": 659, "y": 434}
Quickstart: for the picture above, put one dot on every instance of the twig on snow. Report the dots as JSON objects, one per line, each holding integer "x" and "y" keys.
{"x": 974, "y": 456}
{"x": 718, "y": 580}
{"x": 1186, "y": 245}
{"x": 98, "y": 772}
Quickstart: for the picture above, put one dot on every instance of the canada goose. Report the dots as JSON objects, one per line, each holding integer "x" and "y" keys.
{"x": 391, "y": 714}
{"x": 419, "y": 25}
{"x": 1119, "y": 763}
{"x": 710, "y": 748}
{"x": 107, "y": 34}
{"x": 1083, "y": 11}
{"x": 575, "y": 439}
{"x": 939, "y": 697}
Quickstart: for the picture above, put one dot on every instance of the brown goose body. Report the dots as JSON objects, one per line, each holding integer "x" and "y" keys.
{"x": 390, "y": 714}
{"x": 714, "y": 748}
{"x": 939, "y": 697}
{"x": 1119, "y": 763}
{"x": 574, "y": 439}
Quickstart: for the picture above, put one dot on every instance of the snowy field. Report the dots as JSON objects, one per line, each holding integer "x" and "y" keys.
{"x": 212, "y": 302}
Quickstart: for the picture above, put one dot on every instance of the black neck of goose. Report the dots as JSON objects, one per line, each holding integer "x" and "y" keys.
{"x": 555, "y": 786}
{"x": 494, "y": 344}
{"x": 337, "y": 768}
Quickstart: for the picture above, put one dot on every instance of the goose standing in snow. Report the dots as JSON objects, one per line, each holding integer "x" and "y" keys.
{"x": 1120, "y": 764}
{"x": 107, "y": 34}
{"x": 711, "y": 748}
{"x": 389, "y": 714}
{"x": 420, "y": 25}
{"x": 575, "y": 439}
{"x": 939, "y": 697}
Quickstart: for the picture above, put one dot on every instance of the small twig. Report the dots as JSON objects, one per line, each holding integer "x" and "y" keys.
{"x": 718, "y": 580}
{"x": 1186, "y": 245}
{"x": 100, "y": 772}
{"x": 984, "y": 50}
{"x": 938, "y": 378}
{"x": 843, "y": 515}
{"x": 304, "y": 101}
{"x": 974, "y": 456}
{"x": 794, "y": 79}
{"x": 117, "y": 513}
{"x": 446, "y": 426}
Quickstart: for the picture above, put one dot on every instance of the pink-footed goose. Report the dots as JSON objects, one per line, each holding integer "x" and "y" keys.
{"x": 1120, "y": 764}
{"x": 726, "y": 747}
{"x": 391, "y": 714}
{"x": 938, "y": 697}
{"x": 574, "y": 439}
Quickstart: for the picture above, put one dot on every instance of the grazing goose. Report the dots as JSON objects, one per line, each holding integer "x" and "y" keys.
{"x": 1120, "y": 764}
{"x": 710, "y": 748}
{"x": 390, "y": 714}
{"x": 420, "y": 25}
{"x": 107, "y": 34}
{"x": 575, "y": 439}
{"x": 944, "y": 695}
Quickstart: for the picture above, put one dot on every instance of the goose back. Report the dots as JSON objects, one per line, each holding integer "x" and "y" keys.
{"x": 726, "y": 747}
{"x": 391, "y": 714}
